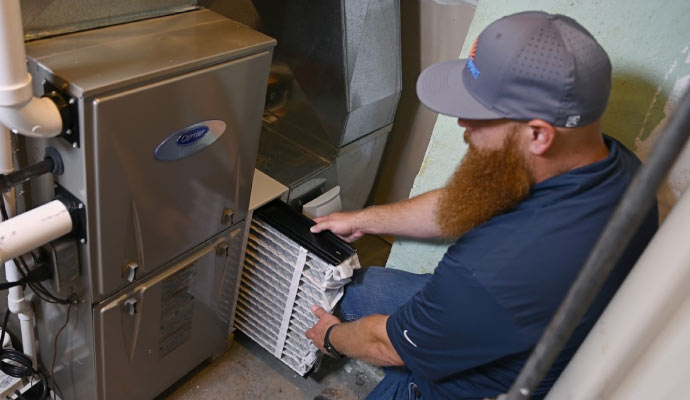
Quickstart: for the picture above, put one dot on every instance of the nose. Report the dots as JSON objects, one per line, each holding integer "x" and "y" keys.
{"x": 463, "y": 123}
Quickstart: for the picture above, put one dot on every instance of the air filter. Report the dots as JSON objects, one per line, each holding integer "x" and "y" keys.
{"x": 287, "y": 269}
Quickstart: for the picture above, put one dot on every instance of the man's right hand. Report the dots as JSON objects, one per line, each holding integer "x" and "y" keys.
{"x": 342, "y": 224}
{"x": 414, "y": 218}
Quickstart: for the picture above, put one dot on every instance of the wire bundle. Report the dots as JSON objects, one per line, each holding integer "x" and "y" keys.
{"x": 22, "y": 366}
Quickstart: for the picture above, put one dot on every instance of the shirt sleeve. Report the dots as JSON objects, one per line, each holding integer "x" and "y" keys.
{"x": 452, "y": 325}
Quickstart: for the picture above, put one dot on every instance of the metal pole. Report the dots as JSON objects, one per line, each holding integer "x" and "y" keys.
{"x": 625, "y": 221}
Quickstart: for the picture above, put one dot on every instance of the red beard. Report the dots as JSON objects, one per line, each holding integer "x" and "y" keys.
{"x": 485, "y": 184}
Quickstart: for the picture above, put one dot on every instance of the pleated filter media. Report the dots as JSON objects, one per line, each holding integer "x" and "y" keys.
{"x": 280, "y": 282}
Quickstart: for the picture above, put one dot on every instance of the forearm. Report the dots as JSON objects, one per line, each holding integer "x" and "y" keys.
{"x": 415, "y": 217}
{"x": 366, "y": 339}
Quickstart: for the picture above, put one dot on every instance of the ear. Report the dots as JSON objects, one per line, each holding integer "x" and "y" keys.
{"x": 541, "y": 136}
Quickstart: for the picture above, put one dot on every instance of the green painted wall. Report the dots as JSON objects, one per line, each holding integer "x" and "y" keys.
{"x": 648, "y": 43}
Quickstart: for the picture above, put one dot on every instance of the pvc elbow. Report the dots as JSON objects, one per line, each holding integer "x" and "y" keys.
{"x": 39, "y": 117}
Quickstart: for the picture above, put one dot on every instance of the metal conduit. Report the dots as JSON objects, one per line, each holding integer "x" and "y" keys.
{"x": 620, "y": 229}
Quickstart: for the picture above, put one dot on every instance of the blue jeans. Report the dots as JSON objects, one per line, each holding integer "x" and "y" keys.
{"x": 376, "y": 290}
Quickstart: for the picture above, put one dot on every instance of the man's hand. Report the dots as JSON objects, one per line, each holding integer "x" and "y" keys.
{"x": 318, "y": 331}
{"x": 415, "y": 218}
{"x": 343, "y": 224}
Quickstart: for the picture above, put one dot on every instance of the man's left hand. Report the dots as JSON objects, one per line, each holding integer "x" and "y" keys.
{"x": 318, "y": 331}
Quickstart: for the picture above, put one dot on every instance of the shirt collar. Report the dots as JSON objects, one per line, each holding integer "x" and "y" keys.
{"x": 575, "y": 181}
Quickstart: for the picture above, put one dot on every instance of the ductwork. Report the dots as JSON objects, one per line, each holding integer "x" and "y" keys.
{"x": 20, "y": 111}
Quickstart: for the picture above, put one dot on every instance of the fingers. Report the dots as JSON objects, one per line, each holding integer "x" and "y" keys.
{"x": 330, "y": 219}
{"x": 318, "y": 311}
{"x": 317, "y": 332}
{"x": 341, "y": 224}
{"x": 321, "y": 224}
{"x": 352, "y": 238}
{"x": 310, "y": 333}
{"x": 318, "y": 228}
{"x": 332, "y": 222}
{"x": 323, "y": 315}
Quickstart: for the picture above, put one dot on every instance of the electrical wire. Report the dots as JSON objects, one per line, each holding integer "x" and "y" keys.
{"x": 23, "y": 366}
{"x": 52, "y": 363}
{"x": 38, "y": 288}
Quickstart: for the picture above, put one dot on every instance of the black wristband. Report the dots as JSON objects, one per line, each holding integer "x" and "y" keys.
{"x": 328, "y": 345}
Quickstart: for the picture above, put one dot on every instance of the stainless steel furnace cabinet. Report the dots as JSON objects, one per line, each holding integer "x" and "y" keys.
{"x": 165, "y": 119}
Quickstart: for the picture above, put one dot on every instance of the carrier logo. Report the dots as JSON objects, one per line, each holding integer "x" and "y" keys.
{"x": 470, "y": 61}
{"x": 191, "y": 137}
{"x": 189, "y": 140}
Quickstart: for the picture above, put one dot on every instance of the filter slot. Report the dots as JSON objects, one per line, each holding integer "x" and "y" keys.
{"x": 281, "y": 281}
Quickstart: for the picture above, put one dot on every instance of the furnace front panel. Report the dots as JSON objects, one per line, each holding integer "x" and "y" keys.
{"x": 161, "y": 153}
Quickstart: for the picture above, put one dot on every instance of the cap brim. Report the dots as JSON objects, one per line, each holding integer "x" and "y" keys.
{"x": 440, "y": 88}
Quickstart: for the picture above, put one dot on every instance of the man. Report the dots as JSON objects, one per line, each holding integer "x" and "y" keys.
{"x": 528, "y": 202}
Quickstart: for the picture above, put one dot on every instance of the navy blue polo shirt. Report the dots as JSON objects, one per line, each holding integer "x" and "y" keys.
{"x": 468, "y": 333}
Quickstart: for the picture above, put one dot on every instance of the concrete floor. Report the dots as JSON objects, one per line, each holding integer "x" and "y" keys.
{"x": 247, "y": 371}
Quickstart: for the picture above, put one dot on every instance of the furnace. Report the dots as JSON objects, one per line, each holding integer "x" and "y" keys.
{"x": 165, "y": 117}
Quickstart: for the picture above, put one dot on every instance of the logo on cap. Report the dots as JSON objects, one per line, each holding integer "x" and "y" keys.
{"x": 572, "y": 121}
{"x": 470, "y": 61}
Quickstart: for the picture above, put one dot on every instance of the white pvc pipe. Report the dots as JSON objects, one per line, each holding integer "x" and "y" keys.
{"x": 16, "y": 302}
{"x": 26, "y": 324}
{"x": 18, "y": 235}
{"x": 25, "y": 114}
{"x": 633, "y": 340}
{"x": 33, "y": 229}
{"x": 15, "y": 81}
{"x": 19, "y": 110}
{"x": 39, "y": 117}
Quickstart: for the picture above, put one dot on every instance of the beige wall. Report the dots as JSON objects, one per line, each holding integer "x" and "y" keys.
{"x": 431, "y": 32}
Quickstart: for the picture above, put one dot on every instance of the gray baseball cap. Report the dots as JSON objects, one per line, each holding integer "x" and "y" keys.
{"x": 530, "y": 65}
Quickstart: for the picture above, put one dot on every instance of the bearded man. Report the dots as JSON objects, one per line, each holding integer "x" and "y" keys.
{"x": 527, "y": 203}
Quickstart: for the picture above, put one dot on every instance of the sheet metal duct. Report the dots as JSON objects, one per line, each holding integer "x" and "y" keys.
{"x": 43, "y": 18}
{"x": 333, "y": 91}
